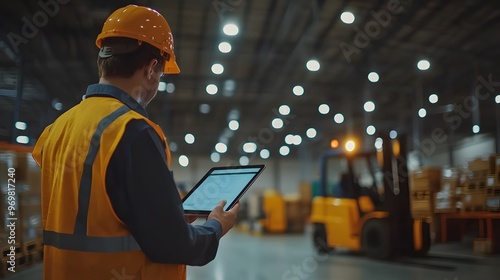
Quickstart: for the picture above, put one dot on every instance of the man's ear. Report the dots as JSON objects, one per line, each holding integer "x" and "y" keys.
{"x": 150, "y": 68}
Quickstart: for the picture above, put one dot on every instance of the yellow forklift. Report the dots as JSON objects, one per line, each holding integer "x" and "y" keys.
{"x": 364, "y": 203}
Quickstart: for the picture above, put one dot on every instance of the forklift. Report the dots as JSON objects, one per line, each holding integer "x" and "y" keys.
{"x": 364, "y": 203}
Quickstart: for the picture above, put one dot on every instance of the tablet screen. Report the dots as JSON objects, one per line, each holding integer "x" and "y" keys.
{"x": 220, "y": 183}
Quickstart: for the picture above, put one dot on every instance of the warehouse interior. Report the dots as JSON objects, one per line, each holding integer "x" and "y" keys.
{"x": 402, "y": 95}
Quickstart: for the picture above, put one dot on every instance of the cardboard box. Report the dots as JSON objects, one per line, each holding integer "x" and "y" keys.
{"x": 296, "y": 209}
{"x": 28, "y": 173}
{"x": 422, "y": 204}
{"x": 30, "y": 217}
{"x": 474, "y": 185}
{"x": 426, "y": 178}
{"x": 474, "y": 201}
{"x": 479, "y": 165}
{"x": 482, "y": 246}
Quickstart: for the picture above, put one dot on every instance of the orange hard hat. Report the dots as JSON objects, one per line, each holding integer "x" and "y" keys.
{"x": 145, "y": 25}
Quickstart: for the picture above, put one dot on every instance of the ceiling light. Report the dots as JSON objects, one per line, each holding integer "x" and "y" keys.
{"x": 422, "y": 112}
{"x": 204, "y": 108}
{"x": 350, "y": 146}
{"x": 264, "y": 153}
{"x": 298, "y": 90}
{"x": 277, "y": 123}
{"x": 476, "y": 129}
{"x": 393, "y": 134}
{"x": 311, "y": 132}
{"x": 312, "y": 65}
{"x": 338, "y": 118}
{"x": 284, "y": 110}
{"x": 221, "y": 147}
{"x": 497, "y": 99}
{"x": 334, "y": 144}
{"x": 289, "y": 139}
{"x": 369, "y": 106}
{"x": 370, "y": 130}
{"x": 189, "y": 138}
{"x": 379, "y": 143}
{"x": 224, "y": 47}
{"x": 211, "y": 89}
{"x": 234, "y": 125}
{"x": 284, "y": 150}
{"x": 433, "y": 98}
{"x": 172, "y": 146}
{"x": 373, "y": 77}
{"x": 215, "y": 157}
{"x": 170, "y": 88}
{"x": 162, "y": 86}
{"x": 249, "y": 147}
{"x": 423, "y": 65}
{"x": 347, "y": 17}
{"x": 22, "y": 139}
{"x": 230, "y": 29}
{"x": 244, "y": 160}
{"x": 324, "y": 109}
{"x": 21, "y": 125}
{"x": 217, "y": 68}
{"x": 183, "y": 160}
{"x": 297, "y": 140}
{"x": 229, "y": 85}
{"x": 56, "y": 104}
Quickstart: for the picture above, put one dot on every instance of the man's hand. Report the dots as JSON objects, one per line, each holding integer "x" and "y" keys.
{"x": 225, "y": 218}
{"x": 190, "y": 218}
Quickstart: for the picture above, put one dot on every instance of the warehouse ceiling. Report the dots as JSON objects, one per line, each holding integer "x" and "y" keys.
{"x": 268, "y": 57}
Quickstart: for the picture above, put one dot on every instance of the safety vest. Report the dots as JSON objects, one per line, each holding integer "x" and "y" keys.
{"x": 83, "y": 237}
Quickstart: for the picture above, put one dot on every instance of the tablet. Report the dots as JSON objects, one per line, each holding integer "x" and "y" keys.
{"x": 220, "y": 183}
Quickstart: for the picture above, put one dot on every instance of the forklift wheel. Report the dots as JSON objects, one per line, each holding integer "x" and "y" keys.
{"x": 376, "y": 239}
{"x": 319, "y": 239}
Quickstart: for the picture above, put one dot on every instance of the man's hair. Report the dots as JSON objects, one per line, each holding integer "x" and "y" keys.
{"x": 113, "y": 61}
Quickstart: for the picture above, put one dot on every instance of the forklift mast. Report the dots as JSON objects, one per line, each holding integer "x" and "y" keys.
{"x": 397, "y": 193}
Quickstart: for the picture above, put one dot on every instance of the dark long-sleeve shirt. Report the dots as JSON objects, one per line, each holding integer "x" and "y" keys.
{"x": 143, "y": 194}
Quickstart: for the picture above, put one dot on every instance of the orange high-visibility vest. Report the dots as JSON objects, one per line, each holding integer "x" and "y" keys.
{"x": 83, "y": 237}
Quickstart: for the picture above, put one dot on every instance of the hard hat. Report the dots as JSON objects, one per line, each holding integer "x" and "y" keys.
{"x": 145, "y": 25}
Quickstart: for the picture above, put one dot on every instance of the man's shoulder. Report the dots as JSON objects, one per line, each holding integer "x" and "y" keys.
{"x": 138, "y": 125}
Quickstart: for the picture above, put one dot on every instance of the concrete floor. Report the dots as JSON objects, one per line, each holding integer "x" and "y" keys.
{"x": 243, "y": 256}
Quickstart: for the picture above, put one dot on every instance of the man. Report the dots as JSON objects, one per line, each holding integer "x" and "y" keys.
{"x": 110, "y": 208}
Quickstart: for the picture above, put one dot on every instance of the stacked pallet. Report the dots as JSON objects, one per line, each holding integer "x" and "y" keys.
{"x": 474, "y": 186}
{"x": 493, "y": 185}
{"x": 20, "y": 210}
{"x": 424, "y": 183}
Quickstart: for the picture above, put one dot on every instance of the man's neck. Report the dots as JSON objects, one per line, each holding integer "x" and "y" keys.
{"x": 129, "y": 85}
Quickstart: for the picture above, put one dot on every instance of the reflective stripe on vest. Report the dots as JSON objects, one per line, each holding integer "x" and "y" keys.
{"x": 78, "y": 240}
